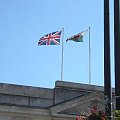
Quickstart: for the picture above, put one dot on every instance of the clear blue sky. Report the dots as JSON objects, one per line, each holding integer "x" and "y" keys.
{"x": 23, "y": 22}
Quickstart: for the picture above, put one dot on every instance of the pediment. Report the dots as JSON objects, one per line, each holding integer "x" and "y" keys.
{"x": 79, "y": 104}
{"x": 85, "y": 107}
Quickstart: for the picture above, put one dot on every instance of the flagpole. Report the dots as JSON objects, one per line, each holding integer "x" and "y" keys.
{"x": 62, "y": 55}
{"x": 89, "y": 59}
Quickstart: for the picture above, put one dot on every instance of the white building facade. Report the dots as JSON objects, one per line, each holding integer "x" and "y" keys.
{"x": 66, "y": 101}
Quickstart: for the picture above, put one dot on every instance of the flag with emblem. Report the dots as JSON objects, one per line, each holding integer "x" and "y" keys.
{"x": 50, "y": 39}
{"x": 78, "y": 37}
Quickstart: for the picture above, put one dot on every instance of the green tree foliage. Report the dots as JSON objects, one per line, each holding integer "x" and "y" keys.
{"x": 116, "y": 115}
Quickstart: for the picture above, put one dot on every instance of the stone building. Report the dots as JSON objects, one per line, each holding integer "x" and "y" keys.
{"x": 65, "y": 101}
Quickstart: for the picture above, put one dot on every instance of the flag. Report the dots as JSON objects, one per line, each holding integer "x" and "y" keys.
{"x": 51, "y": 39}
{"x": 78, "y": 37}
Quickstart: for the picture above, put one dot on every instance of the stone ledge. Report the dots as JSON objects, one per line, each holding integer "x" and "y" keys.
{"x": 26, "y": 91}
{"x": 79, "y": 86}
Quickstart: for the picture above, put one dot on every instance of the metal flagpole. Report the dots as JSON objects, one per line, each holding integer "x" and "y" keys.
{"x": 62, "y": 55}
{"x": 89, "y": 59}
{"x": 117, "y": 51}
{"x": 107, "y": 67}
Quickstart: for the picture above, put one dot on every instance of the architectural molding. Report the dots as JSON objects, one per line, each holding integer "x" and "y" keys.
{"x": 20, "y": 118}
{"x": 77, "y": 102}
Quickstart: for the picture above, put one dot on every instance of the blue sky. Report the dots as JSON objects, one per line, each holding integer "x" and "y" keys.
{"x": 24, "y": 22}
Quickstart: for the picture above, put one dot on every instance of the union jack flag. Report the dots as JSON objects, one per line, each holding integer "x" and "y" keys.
{"x": 50, "y": 39}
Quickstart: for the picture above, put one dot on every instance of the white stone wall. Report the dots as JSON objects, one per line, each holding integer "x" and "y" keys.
{"x": 21, "y": 113}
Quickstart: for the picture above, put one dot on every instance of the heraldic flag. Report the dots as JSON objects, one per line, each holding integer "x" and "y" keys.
{"x": 78, "y": 37}
{"x": 51, "y": 39}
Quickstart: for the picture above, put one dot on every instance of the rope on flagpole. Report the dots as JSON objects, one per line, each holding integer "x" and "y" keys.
{"x": 62, "y": 55}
